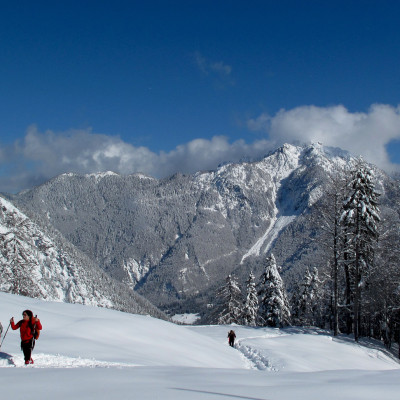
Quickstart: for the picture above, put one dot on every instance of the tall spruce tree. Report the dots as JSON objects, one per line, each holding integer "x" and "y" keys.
{"x": 360, "y": 218}
{"x": 251, "y": 303}
{"x": 231, "y": 302}
{"x": 274, "y": 307}
{"x": 306, "y": 301}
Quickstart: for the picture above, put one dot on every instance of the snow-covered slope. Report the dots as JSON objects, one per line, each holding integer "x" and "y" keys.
{"x": 73, "y": 331}
{"x": 92, "y": 353}
{"x": 40, "y": 263}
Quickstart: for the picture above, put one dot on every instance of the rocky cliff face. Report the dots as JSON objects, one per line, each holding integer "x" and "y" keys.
{"x": 176, "y": 238}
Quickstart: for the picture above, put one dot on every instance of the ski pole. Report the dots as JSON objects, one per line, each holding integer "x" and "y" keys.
{"x": 5, "y": 335}
{"x": 34, "y": 334}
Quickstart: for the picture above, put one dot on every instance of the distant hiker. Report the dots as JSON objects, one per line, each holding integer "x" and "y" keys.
{"x": 29, "y": 330}
{"x": 231, "y": 338}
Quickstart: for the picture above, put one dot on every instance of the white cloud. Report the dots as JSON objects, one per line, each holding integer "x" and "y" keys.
{"x": 208, "y": 66}
{"x": 203, "y": 154}
{"x": 81, "y": 151}
{"x": 366, "y": 134}
{"x": 41, "y": 156}
{"x": 220, "y": 71}
{"x": 221, "y": 68}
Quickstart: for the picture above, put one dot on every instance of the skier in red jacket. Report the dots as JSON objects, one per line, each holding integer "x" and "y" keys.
{"x": 28, "y": 326}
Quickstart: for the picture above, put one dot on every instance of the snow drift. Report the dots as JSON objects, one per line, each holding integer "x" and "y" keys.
{"x": 96, "y": 353}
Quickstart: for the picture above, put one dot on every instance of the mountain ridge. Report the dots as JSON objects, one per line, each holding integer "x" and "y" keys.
{"x": 173, "y": 239}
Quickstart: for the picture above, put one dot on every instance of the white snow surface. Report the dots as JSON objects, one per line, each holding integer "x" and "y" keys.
{"x": 94, "y": 353}
{"x": 277, "y": 225}
{"x": 187, "y": 319}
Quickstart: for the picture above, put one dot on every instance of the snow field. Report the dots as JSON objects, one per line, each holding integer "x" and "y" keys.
{"x": 93, "y": 353}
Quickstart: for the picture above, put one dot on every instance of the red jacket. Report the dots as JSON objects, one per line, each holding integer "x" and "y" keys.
{"x": 25, "y": 329}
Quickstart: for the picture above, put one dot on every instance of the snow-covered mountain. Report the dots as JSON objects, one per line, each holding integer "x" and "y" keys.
{"x": 92, "y": 353}
{"x": 175, "y": 239}
{"x": 38, "y": 262}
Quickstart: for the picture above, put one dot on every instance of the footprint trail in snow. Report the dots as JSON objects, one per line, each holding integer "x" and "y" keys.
{"x": 58, "y": 361}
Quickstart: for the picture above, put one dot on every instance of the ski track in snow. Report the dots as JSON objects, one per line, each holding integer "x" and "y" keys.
{"x": 58, "y": 361}
{"x": 254, "y": 358}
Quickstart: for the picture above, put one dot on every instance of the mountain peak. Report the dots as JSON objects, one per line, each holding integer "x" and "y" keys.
{"x": 174, "y": 238}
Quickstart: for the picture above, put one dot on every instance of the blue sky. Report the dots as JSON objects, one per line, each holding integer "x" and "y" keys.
{"x": 165, "y": 86}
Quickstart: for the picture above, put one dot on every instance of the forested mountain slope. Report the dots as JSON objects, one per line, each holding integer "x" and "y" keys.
{"x": 36, "y": 261}
{"x": 178, "y": 238}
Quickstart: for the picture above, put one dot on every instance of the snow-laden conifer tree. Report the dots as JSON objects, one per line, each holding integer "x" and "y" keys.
{"x": 274, "y": 306}
{"x": 360, "y": 218}
{"x": 230, "y": 298}
{"x": 251, "y": 304}
{"x": 306, "y": 301}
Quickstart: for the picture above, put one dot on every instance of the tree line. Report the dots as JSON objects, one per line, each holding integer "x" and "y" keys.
{"x": 356, "y": 287}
